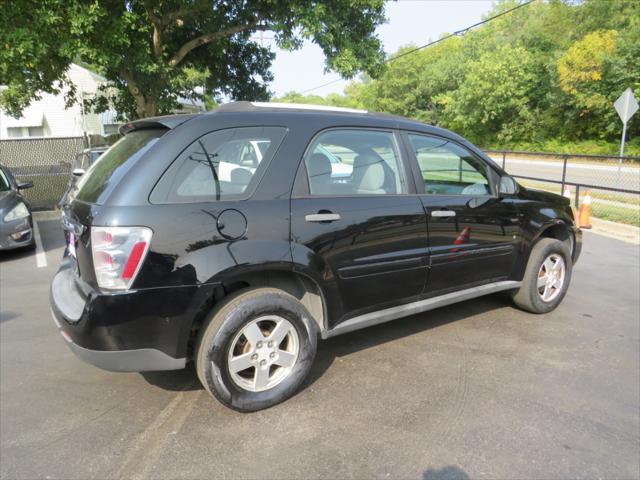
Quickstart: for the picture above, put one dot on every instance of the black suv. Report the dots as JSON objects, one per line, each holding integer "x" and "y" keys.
{"x": 235, "y": 238}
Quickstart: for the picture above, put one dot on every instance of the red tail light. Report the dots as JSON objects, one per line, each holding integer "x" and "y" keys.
{"x": 118, "y": 254}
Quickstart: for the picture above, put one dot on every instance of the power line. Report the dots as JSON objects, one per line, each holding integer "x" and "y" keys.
{"x": 446, "y": 37}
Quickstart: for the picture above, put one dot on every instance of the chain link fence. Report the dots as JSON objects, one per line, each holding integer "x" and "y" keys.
{"x": 614, "y": 184}
{"x": 44, "y": 161}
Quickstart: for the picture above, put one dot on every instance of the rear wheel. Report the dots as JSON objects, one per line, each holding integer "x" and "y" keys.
{"x": 546, "y": 277}
{"x": 256, "y": 349}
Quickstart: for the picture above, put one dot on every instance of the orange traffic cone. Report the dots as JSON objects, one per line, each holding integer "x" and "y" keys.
{"x": 584, "y": 220}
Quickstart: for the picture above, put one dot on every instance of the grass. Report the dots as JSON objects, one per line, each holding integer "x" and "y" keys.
{"x": 615, "y": 214}
{"x": 588, "y": 147}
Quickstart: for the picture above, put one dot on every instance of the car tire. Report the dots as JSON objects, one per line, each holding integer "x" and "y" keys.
{"x": 543, "y": 288}
{"x": 228, "y": 337}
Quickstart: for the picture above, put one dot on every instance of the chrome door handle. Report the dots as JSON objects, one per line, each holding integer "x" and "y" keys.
{"x": 443, "y": 213}
{"x": 322, "y": 217}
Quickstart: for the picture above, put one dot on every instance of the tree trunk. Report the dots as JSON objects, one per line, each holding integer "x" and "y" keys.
{"x": 146, "y": 106}
{"x": 151, "y": 108}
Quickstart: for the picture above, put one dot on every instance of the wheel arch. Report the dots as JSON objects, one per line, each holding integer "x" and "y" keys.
{"x": 558, "y": 230}
{"x": 534, "y": 231}
{"x": 305, "y": 289}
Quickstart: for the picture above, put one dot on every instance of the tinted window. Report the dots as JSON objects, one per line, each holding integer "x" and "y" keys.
{"x": 95, "y": 156}
{"x": 221, "y": 165}
{"x": 5, "y": 186}
{"x": 449, "y": 169}
{"x": 104, "y": 174}
{"x": 354, "y": 162}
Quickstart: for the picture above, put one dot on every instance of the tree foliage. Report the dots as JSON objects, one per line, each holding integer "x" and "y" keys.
{"x": 154, "y": 52}
{"x": 548, "y": 72}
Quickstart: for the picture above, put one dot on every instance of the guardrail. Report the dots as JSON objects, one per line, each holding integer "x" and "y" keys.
{"x": 565, "y": 160}
{"x": 614, "y": 181}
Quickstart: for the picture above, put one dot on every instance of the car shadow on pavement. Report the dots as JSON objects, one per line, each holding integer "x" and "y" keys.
{"x": 51, "y": 234}
{"x": 328, "y": 350}
{"x": 17, "y": 254}
{"x": 175, "y": 380}
{"x": 349, "y": 343}
{"x": 447, "y": 473}
{"x": 5, "y": 316}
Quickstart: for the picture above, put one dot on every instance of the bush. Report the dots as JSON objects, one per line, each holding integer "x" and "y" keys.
{"x": 588, "y": 147}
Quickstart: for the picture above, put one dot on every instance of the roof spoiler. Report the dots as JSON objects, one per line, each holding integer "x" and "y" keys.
{"x": 169, "y": 121}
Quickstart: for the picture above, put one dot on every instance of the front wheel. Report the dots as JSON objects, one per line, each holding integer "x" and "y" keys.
{"x": 256, "y": 349}
{"x": 546, "y": 278}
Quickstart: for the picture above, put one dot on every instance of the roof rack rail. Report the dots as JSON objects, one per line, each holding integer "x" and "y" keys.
{"x": 305, "y": 106}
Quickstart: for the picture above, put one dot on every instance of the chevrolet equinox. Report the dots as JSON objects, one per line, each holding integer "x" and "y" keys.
{"x": 235, "y": 238}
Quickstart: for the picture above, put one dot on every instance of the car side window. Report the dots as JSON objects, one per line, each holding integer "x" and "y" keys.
{"x": 448, "y": 168}
{"x": 5, "y": 185}
{"x": 220, "y": 165}
{"x": 343, "y": 162}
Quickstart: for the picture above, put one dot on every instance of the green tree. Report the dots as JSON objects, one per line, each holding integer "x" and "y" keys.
{"x": 155, "y": 52}
{"x": 545, "y": 74}
{"x": 498, "y": 98}
{"x": 410, "y": 84}
{"x": 592, "y": 73}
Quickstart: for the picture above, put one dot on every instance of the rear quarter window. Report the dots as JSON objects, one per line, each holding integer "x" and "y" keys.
{"x": 222, "y": 165}
{"x": 101, "y": 178}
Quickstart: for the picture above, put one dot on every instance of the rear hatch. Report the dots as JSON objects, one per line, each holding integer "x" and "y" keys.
{"x": 93, "y": 190}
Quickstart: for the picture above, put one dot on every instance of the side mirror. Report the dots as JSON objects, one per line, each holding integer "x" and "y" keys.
{"x": 25, "y": 185}
{"x": 77, "y": 172}
{"x": 508, "y": 186}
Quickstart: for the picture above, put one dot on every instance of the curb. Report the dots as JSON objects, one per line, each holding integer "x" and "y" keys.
{"x": 619, "y": 231}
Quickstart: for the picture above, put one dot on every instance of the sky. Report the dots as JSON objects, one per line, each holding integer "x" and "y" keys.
{"x": 409, "y": 21}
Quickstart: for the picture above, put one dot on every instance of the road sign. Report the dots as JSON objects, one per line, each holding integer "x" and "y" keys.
{"x": 626, "y": 105}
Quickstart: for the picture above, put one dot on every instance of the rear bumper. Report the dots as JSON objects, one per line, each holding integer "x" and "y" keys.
{"x": 141, "y": 360}
{"x": 132, "y": 331}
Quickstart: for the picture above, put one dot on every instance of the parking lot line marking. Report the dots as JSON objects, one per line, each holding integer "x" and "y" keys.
{"x": 41, "y": 257}
{"x": 147, "y": 447}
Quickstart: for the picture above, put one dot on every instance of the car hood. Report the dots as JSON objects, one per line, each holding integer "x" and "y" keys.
{"x": 543, "y": 196}
{"x": 8, "y": 200}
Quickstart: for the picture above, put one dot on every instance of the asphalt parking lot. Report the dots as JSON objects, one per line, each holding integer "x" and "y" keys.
{"x": 475, "y": 390}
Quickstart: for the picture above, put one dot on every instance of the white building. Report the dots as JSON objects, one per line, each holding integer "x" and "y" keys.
{"x": 48, "y": 116}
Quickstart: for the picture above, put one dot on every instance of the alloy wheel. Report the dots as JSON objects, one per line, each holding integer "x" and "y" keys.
{"x": 551, "y": 277}
{"x": 263, "y": 353}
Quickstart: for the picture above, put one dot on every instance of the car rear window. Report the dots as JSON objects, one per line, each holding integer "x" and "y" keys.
{"x": 105, "y": 173}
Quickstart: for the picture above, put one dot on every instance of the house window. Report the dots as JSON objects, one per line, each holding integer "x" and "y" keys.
{"x": 14, "y": 132}
{"x": 36, "y": 132}
{"x": 110, "y": 129}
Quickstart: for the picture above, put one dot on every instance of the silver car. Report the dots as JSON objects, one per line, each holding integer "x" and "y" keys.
{"x": 16, "y": 223}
